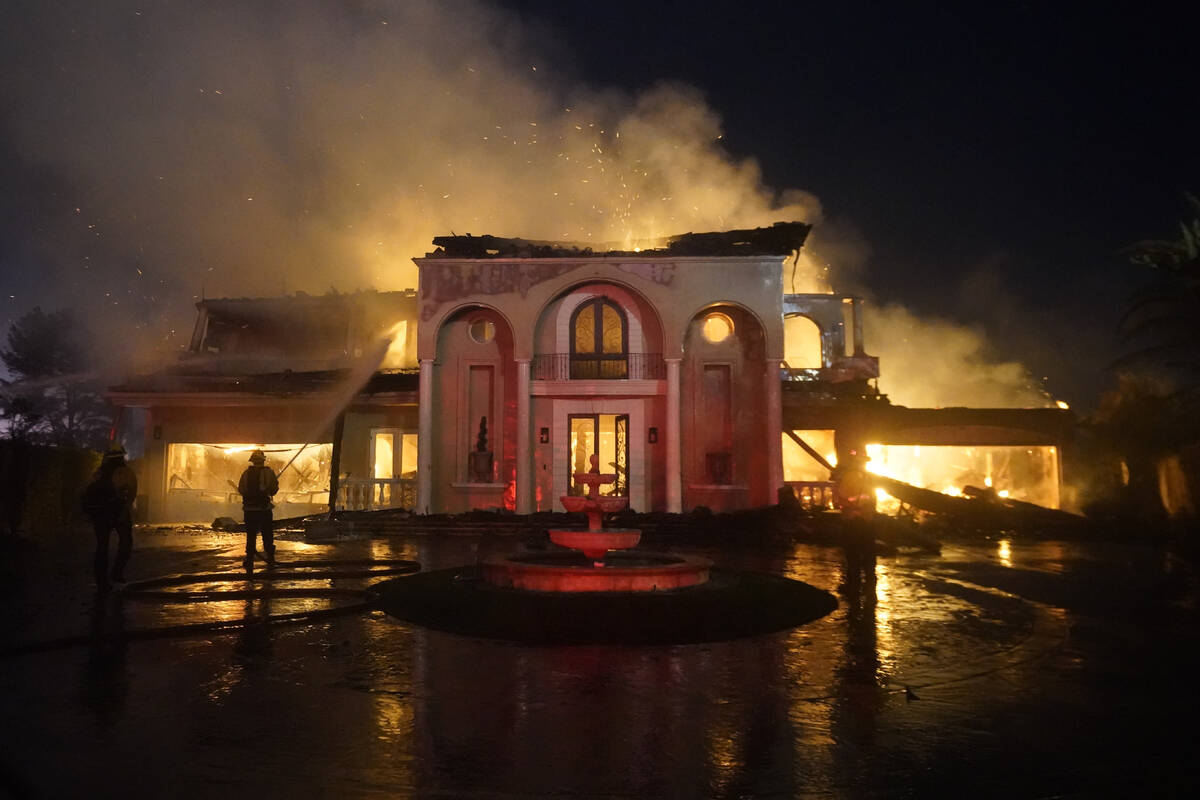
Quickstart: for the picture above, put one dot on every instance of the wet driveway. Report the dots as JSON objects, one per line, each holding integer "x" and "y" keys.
{"x": 1002, "y": 669}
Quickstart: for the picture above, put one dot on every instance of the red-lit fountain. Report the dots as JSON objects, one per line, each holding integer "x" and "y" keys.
{"x": 607, "y": 564}
{"x": 594, "y": 588}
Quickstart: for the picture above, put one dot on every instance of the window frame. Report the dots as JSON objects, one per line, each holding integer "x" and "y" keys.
{"x": 595, "y": 361}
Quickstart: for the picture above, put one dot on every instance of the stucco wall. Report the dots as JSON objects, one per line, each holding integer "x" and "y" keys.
{"x": 523, "y": 289}
{"x": 534, "y": 298}
{"x": 455, "y": 428}
{"x": 742, "y": 353}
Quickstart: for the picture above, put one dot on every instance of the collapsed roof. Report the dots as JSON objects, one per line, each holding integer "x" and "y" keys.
{"x": 780, "y": 239}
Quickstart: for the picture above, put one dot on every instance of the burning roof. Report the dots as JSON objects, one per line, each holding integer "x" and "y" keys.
{"x": 781, "y": 239}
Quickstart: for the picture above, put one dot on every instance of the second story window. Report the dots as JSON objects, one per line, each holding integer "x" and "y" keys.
{"x": 599, "y": 340}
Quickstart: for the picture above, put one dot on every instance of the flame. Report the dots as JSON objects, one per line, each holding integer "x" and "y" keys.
{"x": 1024, "y": 473}
{"x": 397, "y": 342}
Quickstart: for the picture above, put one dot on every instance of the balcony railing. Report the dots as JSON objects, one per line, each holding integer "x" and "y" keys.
{"x": 586, "y": 366}
{"x": 369, "y": 494}
{"x": 813, "y": 495}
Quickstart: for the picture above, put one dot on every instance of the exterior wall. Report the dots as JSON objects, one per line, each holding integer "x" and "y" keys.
{"x": 675, "y": 288}
{"x": 530, "y": 302}
{"x": 742, "y": 355}
{"x": 535, "y": 299}
{"x": 456, "y": 427}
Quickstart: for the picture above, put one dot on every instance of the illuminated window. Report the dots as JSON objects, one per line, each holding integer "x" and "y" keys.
{"x": 482, "y": 330}
{"x": 395, "y": 454}
{"x": 393, "y": 473}
{"x": 717, "y": 328}
{"x": 599, "y": 340}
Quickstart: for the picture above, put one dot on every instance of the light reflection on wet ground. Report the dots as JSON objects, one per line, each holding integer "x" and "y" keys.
{"x": 1004, "y": 669}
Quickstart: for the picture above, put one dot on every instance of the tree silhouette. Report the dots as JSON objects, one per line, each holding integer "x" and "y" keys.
{"x": 53, "y": 397}
{"x": 1160, "y": 329}
{"x": 1154, "y": 412}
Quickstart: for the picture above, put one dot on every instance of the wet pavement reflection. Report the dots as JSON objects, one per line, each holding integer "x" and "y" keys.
{"x": 999, "y": 669}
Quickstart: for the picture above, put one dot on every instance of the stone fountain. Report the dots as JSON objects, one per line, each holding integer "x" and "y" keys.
{"x": 596, "y": 541}
{"x": 595, "y": 587}
{"x": 607, "y": 563}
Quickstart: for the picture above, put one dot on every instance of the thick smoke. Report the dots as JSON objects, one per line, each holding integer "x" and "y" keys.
{"x": 930, "y": 362}
{"x": 171, "y": 150}
{"x": 924, "y": 361}
{"x": 261, "y": 148}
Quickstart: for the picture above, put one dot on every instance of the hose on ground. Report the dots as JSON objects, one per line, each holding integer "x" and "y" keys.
{"x": 154, "y": 590}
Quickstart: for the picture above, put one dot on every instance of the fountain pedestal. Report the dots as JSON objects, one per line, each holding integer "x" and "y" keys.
{"x": 596, "y": 541}
{"x": 619, "y": 572}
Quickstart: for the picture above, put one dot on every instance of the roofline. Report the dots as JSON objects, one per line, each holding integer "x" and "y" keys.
{"x": 622, "y": 259}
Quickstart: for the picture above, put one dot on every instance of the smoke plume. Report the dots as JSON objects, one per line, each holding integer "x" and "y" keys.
{"x": 260, "y": 148}
{"x": 170, "y": 150}
{"x": 926, "y": 362}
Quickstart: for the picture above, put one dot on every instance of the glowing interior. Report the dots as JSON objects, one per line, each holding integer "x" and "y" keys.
{"x": 1029, "y": 474}
{"x": 210, "y": 472}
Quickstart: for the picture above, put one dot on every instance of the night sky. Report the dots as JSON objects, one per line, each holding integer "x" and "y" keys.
{"x": 982, "y": 165}
{"x": 994, "y": 157}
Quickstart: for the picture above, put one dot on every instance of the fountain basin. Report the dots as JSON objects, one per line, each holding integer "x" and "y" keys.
{"x": 605, "y": 504}
{"x": 574, "y": 572}
{"x": 595, "y": 544}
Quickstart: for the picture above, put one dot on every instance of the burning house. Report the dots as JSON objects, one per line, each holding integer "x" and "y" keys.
{"x": 686, "y": 369}
{"x": 285, "y": 375}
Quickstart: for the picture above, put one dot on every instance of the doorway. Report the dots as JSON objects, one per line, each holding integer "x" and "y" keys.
{"x": 393, "y": 479}
{"x": 606, "y": 435}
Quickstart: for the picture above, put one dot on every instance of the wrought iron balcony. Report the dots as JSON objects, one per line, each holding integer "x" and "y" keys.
{"x": 592, "y": 367}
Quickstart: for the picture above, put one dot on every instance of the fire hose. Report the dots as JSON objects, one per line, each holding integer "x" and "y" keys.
{"x": 156, "y": 590}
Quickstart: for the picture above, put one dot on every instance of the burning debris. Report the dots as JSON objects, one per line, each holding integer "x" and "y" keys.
{"x": 782, "y": 238}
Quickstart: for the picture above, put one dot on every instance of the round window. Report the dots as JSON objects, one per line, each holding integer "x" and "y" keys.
{"x": 717, "y": 328}
{"x": 482, "y": 330}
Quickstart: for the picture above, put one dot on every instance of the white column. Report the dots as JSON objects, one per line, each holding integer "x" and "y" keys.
{"x": 524, "y": 488}
{"x": 425, "y": 437}
{"x": 674, "y": 475}
{"x": 774, "y": 418}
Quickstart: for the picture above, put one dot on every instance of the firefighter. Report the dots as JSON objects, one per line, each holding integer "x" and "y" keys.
{"x": 257, "y": 486}
{"x": 108, "y": 501}
{"x": 855, "y": 497}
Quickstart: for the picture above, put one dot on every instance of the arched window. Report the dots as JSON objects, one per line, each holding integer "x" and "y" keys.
{"x": 599, "y": 340}
{"x": 801, "y": 343}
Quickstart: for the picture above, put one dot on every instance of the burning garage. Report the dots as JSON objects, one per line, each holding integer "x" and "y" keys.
{"x": 284, "y": 375}
{"x": 685, "y": 367}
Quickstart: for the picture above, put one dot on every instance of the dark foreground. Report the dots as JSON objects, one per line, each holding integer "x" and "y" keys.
{"x": 994, "y": 670}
